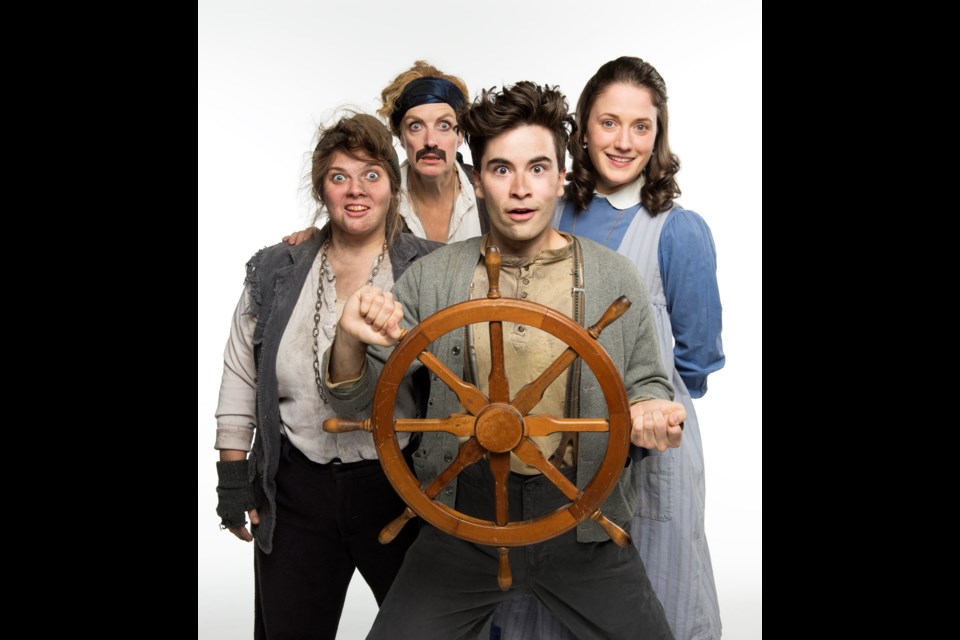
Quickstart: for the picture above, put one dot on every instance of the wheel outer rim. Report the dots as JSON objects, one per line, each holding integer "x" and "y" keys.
{"x": 484, "y": 531}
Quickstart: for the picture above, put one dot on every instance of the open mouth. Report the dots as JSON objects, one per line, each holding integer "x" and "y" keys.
{"x": 521, "y": 213}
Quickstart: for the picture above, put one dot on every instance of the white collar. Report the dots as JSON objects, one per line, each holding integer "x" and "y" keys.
{"x": 626, "y": 196}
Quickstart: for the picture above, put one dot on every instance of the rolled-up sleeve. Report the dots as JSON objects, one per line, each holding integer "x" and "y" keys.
{"x": 688, "y": 265}
{"x": 236, "y": 410}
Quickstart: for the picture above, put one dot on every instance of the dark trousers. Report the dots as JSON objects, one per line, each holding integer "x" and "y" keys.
{"x": 447, "y": 587}
{"x": 328, "y": 519}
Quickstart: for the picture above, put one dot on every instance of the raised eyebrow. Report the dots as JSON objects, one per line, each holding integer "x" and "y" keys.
{"x": 369, "y": 165}
{"x": 447, "y": 115}
{"x": 541, "y": 160}
{"x": 498, "y": 161}
{"x": 451, "y": 114}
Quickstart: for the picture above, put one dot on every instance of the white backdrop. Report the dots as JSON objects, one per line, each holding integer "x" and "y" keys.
{"x": 270, "y": 72}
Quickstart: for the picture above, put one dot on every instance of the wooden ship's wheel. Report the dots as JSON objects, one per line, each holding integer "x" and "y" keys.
{"x": 499, "y": 425}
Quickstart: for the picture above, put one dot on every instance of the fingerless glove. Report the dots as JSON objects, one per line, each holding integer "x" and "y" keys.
{"x": 235, "y": 492}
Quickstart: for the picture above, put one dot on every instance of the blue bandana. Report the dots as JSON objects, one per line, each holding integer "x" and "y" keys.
{"x": 426, "y": 91}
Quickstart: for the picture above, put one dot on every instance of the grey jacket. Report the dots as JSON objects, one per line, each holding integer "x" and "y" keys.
{"x": 443, "y": 278}
{"x": 276, "y": 275}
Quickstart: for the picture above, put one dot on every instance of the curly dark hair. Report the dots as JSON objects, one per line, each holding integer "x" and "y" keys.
{"x": 360, "y": 136}
{"x": 525, "y": 103}
{"x": 660, "y": 188}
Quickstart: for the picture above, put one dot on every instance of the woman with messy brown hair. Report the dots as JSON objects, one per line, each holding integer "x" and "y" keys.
{"x": 316, "y": 500}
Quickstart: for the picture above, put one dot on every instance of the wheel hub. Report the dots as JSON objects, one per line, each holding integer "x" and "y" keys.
{"x": 499, "y": 428}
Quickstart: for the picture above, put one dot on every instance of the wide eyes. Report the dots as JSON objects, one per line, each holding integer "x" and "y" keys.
{"x": 443, "y": 127}
{"x": 503, "y": 170}
{"x": 371, "y": 175}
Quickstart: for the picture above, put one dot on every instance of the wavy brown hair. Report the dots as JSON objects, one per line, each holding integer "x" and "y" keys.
{"x": 362, "y": 137}
{"x": 420, "y": 69}
{"x": 660, "y": 188}
{"x": 525, "y": 103}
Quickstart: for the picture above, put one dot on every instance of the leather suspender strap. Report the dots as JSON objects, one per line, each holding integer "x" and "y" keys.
{"x": 571, "y": 407}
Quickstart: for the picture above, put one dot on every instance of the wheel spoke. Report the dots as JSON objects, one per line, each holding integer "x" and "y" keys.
{"x": 459, "y": 424}
{"x": 469, "y": 453}
{"x": 493, "y": 427}
{"x": 616, "y": 309}
{"x": 529, "y": 453}
{"x": 390, "y": 532}
{"x": 545, "y": 425}
{"x": 342, "y": 425}
{"x": 500, "y": 466}
{"x": 499, "y": 385}
{"x": 528, "y": 397}
{"x": 504, "y": 575}
{"x": 470, "y": 397}
{"x": 616, "y": 533}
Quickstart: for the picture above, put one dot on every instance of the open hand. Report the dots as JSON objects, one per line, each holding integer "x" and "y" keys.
{"x": 298, "y": 237}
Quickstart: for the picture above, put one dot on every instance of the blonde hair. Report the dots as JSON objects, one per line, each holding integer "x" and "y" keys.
{"x": 420, "y": 69}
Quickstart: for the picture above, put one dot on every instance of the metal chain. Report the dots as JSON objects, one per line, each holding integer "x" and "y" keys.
{"x": 331, "y": 277}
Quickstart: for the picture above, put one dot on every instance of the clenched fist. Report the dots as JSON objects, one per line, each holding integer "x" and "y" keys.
{"x": 657, "y": 424}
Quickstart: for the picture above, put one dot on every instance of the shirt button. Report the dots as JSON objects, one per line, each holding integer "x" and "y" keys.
{"x": 523, "y": 295}
{"x": 455, "y": 351}
{"x": 521, "y": 328}
{"x": 526, "y": 281}
{"x": 448, "y": 491}
{"x": 448, "y": 457}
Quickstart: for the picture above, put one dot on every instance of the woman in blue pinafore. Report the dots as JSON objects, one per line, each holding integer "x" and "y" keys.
{"x": 622, "y": 194}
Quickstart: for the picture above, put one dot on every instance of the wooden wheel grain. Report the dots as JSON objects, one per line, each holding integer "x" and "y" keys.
{"x": 498, "y": 424}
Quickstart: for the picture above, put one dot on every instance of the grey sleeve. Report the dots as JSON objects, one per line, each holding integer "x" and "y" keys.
{"x": 644, "y": 375}
{"x": 358, "y": 397}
